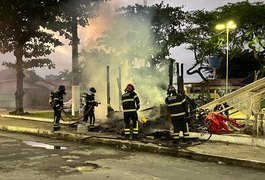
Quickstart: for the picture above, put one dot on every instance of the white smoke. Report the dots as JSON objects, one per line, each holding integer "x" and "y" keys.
{"x": 149, "y": 83}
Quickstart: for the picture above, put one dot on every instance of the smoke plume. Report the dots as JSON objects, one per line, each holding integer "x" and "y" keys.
{"x": 124, "y": 52}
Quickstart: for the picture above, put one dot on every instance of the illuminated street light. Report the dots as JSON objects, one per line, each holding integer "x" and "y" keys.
{"x": 229, "y": 25}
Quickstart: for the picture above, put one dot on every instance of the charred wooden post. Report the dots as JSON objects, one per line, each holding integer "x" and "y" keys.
{"x": 119, "y": 87}
{"x": 171, "y": 71}
{"x": 109, "y": 108}
{"x": 180, "y": 80}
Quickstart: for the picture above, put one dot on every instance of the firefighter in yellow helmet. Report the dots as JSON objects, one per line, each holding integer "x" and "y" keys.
{"x": 130, "y": 105}
{"x": 178, "y": 109}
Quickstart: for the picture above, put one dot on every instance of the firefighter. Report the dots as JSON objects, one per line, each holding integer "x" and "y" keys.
{"x": 89, "y": 103}
{"x": 57, "y": 105}
{"x": 178, "y": 109}
{"x": 130, "y": 105}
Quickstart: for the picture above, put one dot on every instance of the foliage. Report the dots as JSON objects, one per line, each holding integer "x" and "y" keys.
{"x": 24, "y": 31}
{"x": 64, "y": 11}
{"x": 47, "y": 115}
{"x": 250, "y": 32}
{"x": 65, "y": 75}
{"x": 150, "y": 33}
{"x": 248, "y": 37}
{"x": 138, "y": 41}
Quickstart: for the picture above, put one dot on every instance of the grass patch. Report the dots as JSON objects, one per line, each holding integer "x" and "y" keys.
{"x": 46, "y": 115}
{"x": 49, "y": 115}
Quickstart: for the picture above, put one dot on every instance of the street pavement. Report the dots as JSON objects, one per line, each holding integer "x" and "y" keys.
{"x": 230, "y": 149}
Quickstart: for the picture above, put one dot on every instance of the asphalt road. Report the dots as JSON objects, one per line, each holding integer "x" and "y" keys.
{"x": 29, "y": 157}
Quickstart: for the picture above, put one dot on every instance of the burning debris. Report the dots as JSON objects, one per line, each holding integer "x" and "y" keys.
{"x": 151, "y": 120}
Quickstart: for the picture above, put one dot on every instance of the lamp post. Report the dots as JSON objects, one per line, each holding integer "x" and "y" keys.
{"x": 229, "y": 25}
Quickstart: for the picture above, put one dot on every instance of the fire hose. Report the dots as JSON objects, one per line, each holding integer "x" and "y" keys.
{"x": 77, "y": 120}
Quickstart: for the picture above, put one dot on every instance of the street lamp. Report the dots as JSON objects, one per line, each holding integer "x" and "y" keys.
{"x": 229, "y": 25}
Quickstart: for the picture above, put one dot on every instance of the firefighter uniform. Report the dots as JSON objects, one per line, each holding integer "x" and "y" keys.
{"x": 89, "y": 103}
{"x": 178, "y": 109}
{"x": 130, "y": 105}
{"x": 57, "y": 105}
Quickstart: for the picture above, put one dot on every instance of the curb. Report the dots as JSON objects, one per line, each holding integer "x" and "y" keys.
{"x": 33, "y": 118}
{"x": 139, "y": 146}
{"x": 243, "y": 139}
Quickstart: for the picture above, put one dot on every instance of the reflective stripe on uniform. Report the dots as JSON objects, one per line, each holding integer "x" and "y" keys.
{"x": 135, "y": 96}
{"x": 135, "y": 130}
{"x": 177, "y": 103}
{"x": 55, "y": 125}
{"x": 186, "y": 135}
{"x": 129, "y": 110}
{"x": 178, "y": 114}
{"x": 187, "y": 126}
{"x": 175, "y": 135}
{"x": 127, "y": 100}
{"x": 126, "y": 131}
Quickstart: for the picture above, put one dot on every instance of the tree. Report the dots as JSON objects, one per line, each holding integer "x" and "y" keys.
{"x": 199, "y": 36}
{"x": 65, "y": 75}
{"x": 22, "y": 34}
{"x": 25, "y": 32}
{"x": 250, "y": 32}
{"x": 248, "y": 37}
{"x": 139, "y": 35}
{"x": 149, "y": 35}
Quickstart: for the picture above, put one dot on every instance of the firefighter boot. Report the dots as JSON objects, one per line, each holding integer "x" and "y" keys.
{"x": 135, "y": 136}
{"x": 176, "y": 143}
{"x": 126, "y": 133}
{"x": 56, "y": 128}
{"x": 127, "y": 136}
{"x": 91, "y": 128}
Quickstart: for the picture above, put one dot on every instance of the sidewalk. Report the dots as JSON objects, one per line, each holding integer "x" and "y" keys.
{"x": 238, "y": 150}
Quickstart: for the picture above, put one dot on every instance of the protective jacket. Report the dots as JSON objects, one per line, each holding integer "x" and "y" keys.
{"x": 177, "y": 105}
{"x": 57, "y": 100}
{"x": 89, "y": 103}
{"x": 130, "y": 102}
{"x": 57, "y": 105}
{"x": 88, "y": 99}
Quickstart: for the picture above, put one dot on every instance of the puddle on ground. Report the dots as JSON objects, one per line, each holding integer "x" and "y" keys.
{"x": 88, "y": 167}
{"x": 43, "y": 145}
{"x": 85, "y": 168}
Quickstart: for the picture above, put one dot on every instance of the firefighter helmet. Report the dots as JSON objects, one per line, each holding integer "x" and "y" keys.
{"x": 129, "y": 87}
{"x": 171, "y": 90}
{"x": 93, "y": 90}
{"x": 62, "y": 89}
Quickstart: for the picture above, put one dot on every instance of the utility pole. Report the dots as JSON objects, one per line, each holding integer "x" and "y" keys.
{"x": 75, "y": 65}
